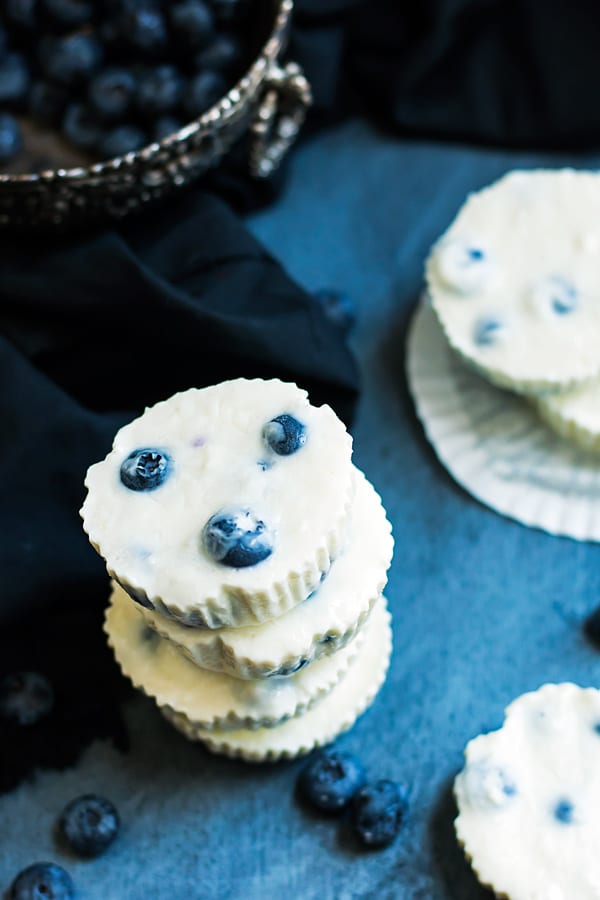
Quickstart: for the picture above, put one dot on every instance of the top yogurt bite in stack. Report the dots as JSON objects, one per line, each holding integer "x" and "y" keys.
{"x": 515, "y": 284}
{"x": 256, "y": 554}
{"x": 223, "y": 506}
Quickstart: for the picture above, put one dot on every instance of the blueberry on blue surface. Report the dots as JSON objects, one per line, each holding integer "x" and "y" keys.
{"x": 47, "y": 102}
{"x": 563, "y": 812}
{"x": 202, "y": 92}
{"x": 21, "y": 12}
{"x": 111, "y": 93}
{"x": 14, "y": 80}
{"x": 192, "y": 22}
{"x": 121, "y": 140}
{"x": 223, "y": 54}
{"x": 70, "y": 60}
{"x": 25, "y": 697}
{"x": 80, "y": 125}
{"x": 160, "y": 91}
{"x": 237, "y": 539}
{"x": 10, "y": 137}
{"x": 331, "y": 779}
{"x": 378, "y": 812}
{"x": 145, "y": 469}
{"x": 338, "y": 307}
{"x": 487, "y": 331}
{"x": 284, "y": 434}
{"x": 42, "y": 881}
{"x": 89, "y": 824}
{"x": 165, "y": 126}
{"x": 70, "y": 12}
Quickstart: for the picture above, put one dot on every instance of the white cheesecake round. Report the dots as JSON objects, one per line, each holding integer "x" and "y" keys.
{"x": 223, "y": 506}
{"x": 334, "y": 713}
{"x": 529, "y": 798}
{"x": 515, "y": 280}
{"x": 211, "y": 699}
{"x": 320, "y": 626}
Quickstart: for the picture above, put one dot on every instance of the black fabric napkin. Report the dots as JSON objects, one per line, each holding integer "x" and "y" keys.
{"x": 92, "y": 330}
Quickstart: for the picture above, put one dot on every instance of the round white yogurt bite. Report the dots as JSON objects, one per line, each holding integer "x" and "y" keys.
{"x": 529, "y": 798}
{"x": 320, "y": 626}
{"x": 223, "y": 506}
{"x": 515, "y": 280}
{"x": 575, "y": 414}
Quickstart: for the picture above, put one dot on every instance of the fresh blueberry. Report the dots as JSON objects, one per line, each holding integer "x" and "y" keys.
{"x": 25, "y": 697}
{"x": 223, "y": 54}
{"x": 42, "y": 881}
{"x": 47, "y": 102}
{"x": 331, "y": 779}
{"x": 81, "y": 126}
{"x": 72, "y": 59}
{"x": 160, "y": 91}
{"x": 488, "y": 331}
{"x": 145, "y": 469}
{"x": 165, "y": 127}
{"x": 11, "y": 140}
{"x": 21, "y": 12}
{"x": 121, "y": 140}
{"x": 563, "y": 812}
{"x": 142, "y": 26}
{"x": 203, "y": 91}
{"x": 192, "y": 22}
{"x": 14, "y": 80}
{"x": 70, "y": 13}
{"x": 111, "y": 93}
{"x": 338, "y": 307}
{"x": 284, "y": 434}
{"x": 378, "y": 812}
{"x": 89, "y": 824}
{"x": 237, "y": 539}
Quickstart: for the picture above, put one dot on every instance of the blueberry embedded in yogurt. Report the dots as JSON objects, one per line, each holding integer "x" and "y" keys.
{"x": 564, "y": 811}
{"x": 488, "y": 331}
{"x": 463, "y": 266}
{"x": 145, "y": 469}
{"x": 487, "y": 786}
{"x": 237, "y": 539}
{"x": 284, "y": 434}
{"x": 555, "y": 295}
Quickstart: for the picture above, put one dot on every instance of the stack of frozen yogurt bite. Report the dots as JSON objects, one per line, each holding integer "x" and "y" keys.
{"x": 248, "y": 556}
{"x": 515, "y": 283}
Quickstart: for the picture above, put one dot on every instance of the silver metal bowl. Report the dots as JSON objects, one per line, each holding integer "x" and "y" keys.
{"x": 268, "y": 104}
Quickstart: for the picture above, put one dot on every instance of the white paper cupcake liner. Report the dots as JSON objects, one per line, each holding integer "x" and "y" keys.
{"x": 494, "y": 444}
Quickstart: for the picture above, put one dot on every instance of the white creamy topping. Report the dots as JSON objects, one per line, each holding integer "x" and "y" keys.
{"x": 320, "y": 625}
{"x": 515, "y": 280}
{"x": 209, "y": 698}
{"x": 155, "y": 541}
{"x": 575, "y": 413}
{"x": 529, "y": 798}
{"x": 334, "y": 713}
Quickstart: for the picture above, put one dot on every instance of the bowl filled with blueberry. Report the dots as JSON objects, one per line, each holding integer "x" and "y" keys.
{"x": 107, "y": 105}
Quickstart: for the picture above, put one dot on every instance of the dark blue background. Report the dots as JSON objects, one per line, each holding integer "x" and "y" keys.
{"x": 484, "y": 609}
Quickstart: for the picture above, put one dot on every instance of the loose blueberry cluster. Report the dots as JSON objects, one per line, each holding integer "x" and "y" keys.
{"x": 87, "y": 826}
{"x": 116, "y": 75}
{"x": 334, "y": 781}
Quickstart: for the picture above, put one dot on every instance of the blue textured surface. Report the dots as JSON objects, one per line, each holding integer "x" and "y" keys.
{"x": 484, "y": 609}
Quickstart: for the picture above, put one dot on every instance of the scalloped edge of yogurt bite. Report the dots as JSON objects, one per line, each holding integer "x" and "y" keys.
{"x": 559, "y": 411}
{"x": 526, "y": 701}
{"x": 371, "y": 548}
{"x": 333, "y": 714}
{"x": 466, "y": 347}
{"x": 226, "y": 600}
{"x": 143, "y": 661}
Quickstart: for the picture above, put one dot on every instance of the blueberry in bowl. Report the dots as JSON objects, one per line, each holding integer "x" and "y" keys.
{"x": 97, "y": 86}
